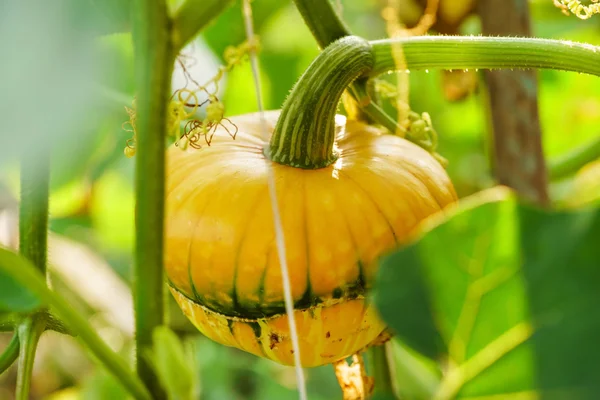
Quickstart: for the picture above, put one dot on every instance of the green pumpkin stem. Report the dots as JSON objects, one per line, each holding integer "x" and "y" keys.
{"x": 305, "y": 132}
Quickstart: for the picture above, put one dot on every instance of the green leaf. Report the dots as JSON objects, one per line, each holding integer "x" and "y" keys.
{"x": 383, "y": 396}
{"x": 174, "y": 368}
{"x": 63, "y": 58}
{"x": 228, "y": 28}
{"x": 505, "y": 295}
{"x": 101, "y": 385}
{"x": 107, "y": 16}
{"x": 418, "y": 377}
{"x": 13, "y": 296}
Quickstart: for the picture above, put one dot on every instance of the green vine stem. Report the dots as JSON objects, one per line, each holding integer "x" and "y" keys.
{"x": 33, "y": 245}
{"x": 327, "y": 27}
{"x": 322, "y": 20}
{"x": 154, "y": 56}
{"x": 8, "y": 321}
{"x": 192, "y": 16}
{"x": 379, "y": 363}
{"x": 27, "y": 275}
{"x": 374, "y": 110}
{"x": 10, "y": 353}
{"x": 33, "y": 209}
{"x": 572, "y": 161}
{"x": 473, "y": 52}
{"x": 29, "y": 333}
{"x": 305, "y": 131}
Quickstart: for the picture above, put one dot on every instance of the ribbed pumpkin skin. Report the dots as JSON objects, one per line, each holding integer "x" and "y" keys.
{"x": 221, "y": 256}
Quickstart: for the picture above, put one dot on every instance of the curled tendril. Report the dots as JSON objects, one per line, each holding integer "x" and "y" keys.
{"x": 418, "y": 128}
{"x": 130, "y": 126}
{"x": 185, "y": 102}
{"x": 579, "y": 10}
{"x": 195, "y": 129}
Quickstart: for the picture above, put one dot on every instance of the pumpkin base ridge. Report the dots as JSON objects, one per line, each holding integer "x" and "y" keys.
{"x": 327, "y": 333}
{"x": 327, "y": 302}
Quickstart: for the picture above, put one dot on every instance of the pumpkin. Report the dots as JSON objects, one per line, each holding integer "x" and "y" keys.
{"x": 221, "y": 256}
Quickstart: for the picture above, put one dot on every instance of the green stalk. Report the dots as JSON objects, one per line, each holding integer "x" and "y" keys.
{"x": 29, "y": 332}
{"x": 305, "y": 132}
{"x": 10, "y": 353}
{"x": 571, "y": 162}
{"x": 322, "y": 20}
{"x": 33, "y": 209}
{"x": 327, "y": 27}
{"x": 33, "y": 245}
{"x": 8, "y": 321}
{"x": 380, "y": 369}
{"x": 154, "y": 58}
{"x": 465, "y": 52}
{"x": 27, "y": 275}
{"x": 192, "y": 16}
{"x": 374, "y": 111}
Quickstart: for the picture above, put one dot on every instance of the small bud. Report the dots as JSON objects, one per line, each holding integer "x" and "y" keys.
{"x": 214, "y": 111}
{"x": 129, "y": 152}
{"x": 231, "y": 55}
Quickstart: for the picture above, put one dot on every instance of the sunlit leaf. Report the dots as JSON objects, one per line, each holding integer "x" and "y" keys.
{"x": 505, "y": 295}
{"x": 585, "y": 187}
{"x": 14, "y": 296}
{"x": 111, "y": 208}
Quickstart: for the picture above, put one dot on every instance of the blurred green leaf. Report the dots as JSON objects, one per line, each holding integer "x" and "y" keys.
{"x": 111, "y": 16}
{"x": 229, "y": 373}
{"x": 111, "y": 209}
{"x": 417, "y": 376}
{"x": 384, "y": 396}
{"x": 239, "y": 97}
{"x": 47, "y": 76}
{"x": 585, "y": 187}
{"x": 173, "y": 366}
{"x": 103, "y": 137}
{"x": 287, "y": 49}
{"x": 228, "y": 28}
{"x": 101, "y": 386}
{"x": 14, "y": 296}
{"x": 507, "y": 295}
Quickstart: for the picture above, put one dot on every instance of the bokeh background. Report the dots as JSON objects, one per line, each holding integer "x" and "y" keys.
{"x": 65, "y": 78}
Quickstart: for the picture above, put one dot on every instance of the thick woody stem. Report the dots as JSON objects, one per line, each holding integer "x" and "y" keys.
{"x": 518, "y": 154}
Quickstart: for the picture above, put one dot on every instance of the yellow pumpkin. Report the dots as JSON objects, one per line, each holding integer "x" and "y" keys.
{"x": 221, "y": 256}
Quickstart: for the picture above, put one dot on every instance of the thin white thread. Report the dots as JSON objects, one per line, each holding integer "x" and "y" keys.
{"x": 279, "y": 236}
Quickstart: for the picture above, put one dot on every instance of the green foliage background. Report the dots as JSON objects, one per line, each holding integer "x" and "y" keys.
{"x": 82, "y": 97}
